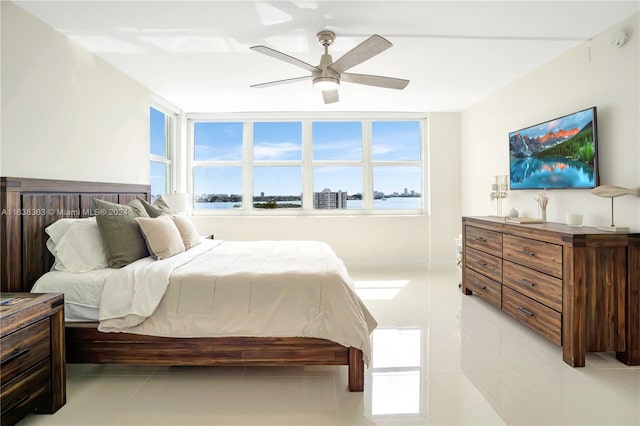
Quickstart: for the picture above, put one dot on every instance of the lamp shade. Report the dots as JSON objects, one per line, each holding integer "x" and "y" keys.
{"x": 179, "y": 203}
{"x": 326, "y": 83}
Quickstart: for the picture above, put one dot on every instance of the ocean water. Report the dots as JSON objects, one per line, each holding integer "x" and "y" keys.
{"x": 394, "y": 203}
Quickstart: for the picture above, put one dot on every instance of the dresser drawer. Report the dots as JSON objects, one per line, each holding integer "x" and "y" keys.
{"x": 23, "y": 348}
{"x": 25, "y": 393}
{"x": 484, "y": 263}
{"x": 541, "y": 318}
{"x": 541, "y": 287}
{"x": 484, "y": 240}
{"x": 544, "y": 257}
{"x": 484, "y": 287}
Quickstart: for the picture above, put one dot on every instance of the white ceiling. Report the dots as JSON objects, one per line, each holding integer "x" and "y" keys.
{"x": 196, "y": 54}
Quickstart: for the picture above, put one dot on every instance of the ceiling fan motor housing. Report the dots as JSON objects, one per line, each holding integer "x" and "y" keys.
{"x": 326, "y": 78}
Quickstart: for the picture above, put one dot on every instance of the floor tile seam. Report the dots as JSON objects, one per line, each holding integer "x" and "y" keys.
{"x": 124, "y": 410}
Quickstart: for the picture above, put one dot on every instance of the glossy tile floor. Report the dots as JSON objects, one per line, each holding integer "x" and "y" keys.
{"x": 438, "y": 358}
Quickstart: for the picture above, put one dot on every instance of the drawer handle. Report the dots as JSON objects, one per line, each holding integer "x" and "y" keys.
{"x": 480, "y": 263}
{"x": 16, "y": 354}
{"x": 481, "y": 240}
{"x": 526, "y": 282}
{"x": 482, "y": 287}
{"x": 15, "y": 404}
{"x": 527, "y": 252}
{"x": 523, "y": 310}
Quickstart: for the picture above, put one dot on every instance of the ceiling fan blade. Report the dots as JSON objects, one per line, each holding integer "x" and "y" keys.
{"x": 374, "y": 80}
{"x": 284, "y": 57}
{"x": 330, "y": 96}
{"x": 278, "y": 82}
{"x": 365, "y": 50}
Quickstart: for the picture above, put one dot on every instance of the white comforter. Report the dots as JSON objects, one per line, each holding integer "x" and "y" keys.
{"x": 224, "y": 288}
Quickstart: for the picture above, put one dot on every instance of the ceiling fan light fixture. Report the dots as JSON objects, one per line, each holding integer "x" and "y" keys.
{"x": 326, "y": 83}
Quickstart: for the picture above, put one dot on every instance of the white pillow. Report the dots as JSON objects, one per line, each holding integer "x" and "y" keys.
{"x": 56, "y": 231}
{"x": 60, "y": 227}
{"x": 77, "y": 245}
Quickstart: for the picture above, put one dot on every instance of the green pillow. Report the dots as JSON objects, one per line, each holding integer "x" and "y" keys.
{"x": 120, "y": 231}
{"x": 158, "y": 208}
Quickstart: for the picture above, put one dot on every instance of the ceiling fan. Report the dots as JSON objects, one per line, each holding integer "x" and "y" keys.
{"x": 327, "y": 76}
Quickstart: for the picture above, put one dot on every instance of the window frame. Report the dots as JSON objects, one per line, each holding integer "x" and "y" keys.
{"x": 170, "y": 132}
{"x": 307, "y": 163}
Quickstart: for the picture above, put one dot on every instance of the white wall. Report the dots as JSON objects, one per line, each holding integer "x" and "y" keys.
{"x": 593, "y": 74}
{"x": 444, "y": 179}
{"x": 361, "y": 241}
{"x": 66, "y": 114}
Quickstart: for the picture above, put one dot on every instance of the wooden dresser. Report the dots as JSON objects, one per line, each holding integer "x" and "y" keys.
{"x": 32, "y": 353}
{"x": 578, "y": 287}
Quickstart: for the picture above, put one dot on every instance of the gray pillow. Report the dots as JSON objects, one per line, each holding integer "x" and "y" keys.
{"x": 159, "y": 207}
{"x": 120, "y": 231}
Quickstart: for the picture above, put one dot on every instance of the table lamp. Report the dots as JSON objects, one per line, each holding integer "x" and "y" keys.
{"x": 178, "y": 203}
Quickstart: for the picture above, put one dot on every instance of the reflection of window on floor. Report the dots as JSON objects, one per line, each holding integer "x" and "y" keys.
{"x": 396, "y": 372}
{"x": 379, "y": 289}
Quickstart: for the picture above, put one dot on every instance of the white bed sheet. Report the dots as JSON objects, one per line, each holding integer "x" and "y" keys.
{"x": 82, "y": 291}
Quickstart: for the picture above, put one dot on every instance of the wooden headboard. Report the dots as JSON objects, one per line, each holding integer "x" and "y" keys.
{"x": 28, "y": 206}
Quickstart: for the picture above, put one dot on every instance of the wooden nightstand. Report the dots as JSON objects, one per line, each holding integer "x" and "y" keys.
{"x": 32, "y": 353}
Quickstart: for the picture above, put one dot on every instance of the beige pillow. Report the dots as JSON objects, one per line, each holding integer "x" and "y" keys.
{"x": 159, "y": 207}
{"x": 188, "y": 231}
{"x": 120, "y": 232}
{"x": 162, "y": 236}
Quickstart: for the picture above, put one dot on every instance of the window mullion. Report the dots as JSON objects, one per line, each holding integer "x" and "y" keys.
{"x": 247, "y": 166}
{"x": 307, "y": 166}
{"x": 367, "y": 169}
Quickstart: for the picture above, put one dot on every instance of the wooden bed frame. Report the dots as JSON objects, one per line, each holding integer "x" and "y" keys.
{"x": 28, "y": 206}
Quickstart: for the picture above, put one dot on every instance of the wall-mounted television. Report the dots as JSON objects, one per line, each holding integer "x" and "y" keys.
{"x": 558, "y": 154}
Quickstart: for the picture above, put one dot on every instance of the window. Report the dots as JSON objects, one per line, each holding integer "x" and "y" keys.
{"x": 312, "y": 165}
{"x": 161, "y": 136}
{"x": 397, "y": 171}
{"x": 277, "y": 165}
{"x": 217, "y": 175}
{"x": 337, "y": 164}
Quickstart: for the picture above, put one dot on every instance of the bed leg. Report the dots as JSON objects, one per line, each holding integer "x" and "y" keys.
{"x": 356, "y": 370}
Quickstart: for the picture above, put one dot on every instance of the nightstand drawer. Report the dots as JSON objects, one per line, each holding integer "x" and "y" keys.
{"x": 484, "y": 287}
{"x": 484, "y": 240}
{"x": 484, "y": 263}
{"x": 544, "y": 257}
{"x": 22, "y": 349}
{"x": 20, "y": 396}
{"x": 541, "y": 318}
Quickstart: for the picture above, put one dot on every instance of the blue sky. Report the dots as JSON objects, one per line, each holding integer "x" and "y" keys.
{"x": 577, "y": 120}
{"x": 282, "y": 141}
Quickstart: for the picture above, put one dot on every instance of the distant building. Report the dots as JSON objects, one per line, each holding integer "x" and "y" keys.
{"x": 329, "y": 200}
